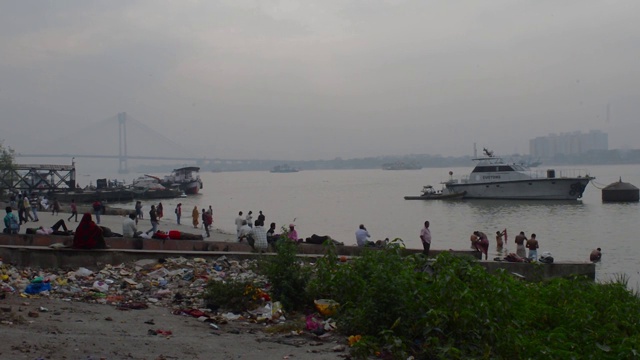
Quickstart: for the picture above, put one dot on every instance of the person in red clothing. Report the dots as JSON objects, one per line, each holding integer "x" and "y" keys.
{"x": 88, "y": 235}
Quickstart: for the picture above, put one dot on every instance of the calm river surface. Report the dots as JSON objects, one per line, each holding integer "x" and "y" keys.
{"x": 335, "y": 202}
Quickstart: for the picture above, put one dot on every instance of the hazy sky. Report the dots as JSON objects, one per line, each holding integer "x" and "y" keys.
{"x": 320, "y": 79}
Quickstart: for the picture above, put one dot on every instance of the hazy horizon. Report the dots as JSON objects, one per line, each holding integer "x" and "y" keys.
{"x": 285, "y": 80}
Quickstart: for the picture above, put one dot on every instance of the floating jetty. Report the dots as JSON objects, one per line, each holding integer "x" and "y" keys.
{"x": 114, "y": 195}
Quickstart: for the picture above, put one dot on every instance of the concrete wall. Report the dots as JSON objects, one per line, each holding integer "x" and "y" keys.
{"x": 33, "y": 251}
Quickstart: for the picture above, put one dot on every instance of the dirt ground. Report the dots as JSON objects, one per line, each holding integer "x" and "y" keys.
{"x": 48, "y": 328}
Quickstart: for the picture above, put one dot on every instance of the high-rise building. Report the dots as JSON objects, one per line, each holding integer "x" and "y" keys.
{"x": 574, "y": 143}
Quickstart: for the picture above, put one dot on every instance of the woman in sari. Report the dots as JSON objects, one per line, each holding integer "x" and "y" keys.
{"x": 88, "y": 235}
{"x": 195, "y": 215}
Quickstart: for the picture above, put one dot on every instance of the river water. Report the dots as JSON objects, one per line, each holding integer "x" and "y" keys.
{"x": 335, "y": 202}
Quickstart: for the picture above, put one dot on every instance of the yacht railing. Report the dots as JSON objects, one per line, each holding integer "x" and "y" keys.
{"x": 533, "y": 174}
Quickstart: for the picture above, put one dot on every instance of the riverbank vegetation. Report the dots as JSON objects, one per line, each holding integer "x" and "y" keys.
{"x": 395, "y": 306}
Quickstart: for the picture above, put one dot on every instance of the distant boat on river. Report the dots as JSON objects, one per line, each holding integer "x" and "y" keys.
{"x": 284, "y": 169}
{"x": 401, "y": 165}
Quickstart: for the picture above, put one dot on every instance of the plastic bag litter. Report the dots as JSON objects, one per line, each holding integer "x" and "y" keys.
{"x": 231, "y": 316}
{"x": 101, "y": 286}
{"x": 36, "y": 288}
{"x": 83, "y": 272}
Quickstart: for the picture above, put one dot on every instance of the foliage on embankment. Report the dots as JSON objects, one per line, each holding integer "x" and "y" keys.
{"x": 454, "y": 309}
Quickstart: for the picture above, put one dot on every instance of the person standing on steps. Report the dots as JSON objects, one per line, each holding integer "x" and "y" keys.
{"x": 194, "y": 217}
{"x": 425, "y": 238}
{"x": 532, "y": 245}
{"x": 178, "y": 212}
{"x": 153, "y": 217}
{"x": 250, "y": 218}
{"x": 520, "y": 248}
{"x": 239, "y": 221}
{"x": 160, "y": 211}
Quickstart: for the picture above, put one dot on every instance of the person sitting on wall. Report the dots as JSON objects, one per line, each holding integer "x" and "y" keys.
{"x": 88, "y": 235}
{"x": 362, "y": 237}
{"x": 129, "y": 228}
{"x": 11, "y": 224}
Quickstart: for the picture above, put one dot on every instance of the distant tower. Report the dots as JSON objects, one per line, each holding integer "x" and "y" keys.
{"x": 123, "y": 168}
{"x": 475, "y": 151}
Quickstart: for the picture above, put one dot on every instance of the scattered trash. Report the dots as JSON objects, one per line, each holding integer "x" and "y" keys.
{"x": 326, "y": 307}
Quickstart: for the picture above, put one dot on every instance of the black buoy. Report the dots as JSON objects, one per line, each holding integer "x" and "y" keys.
{"x": 620, "y": 192}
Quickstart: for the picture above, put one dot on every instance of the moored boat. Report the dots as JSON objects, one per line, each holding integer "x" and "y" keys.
{"x": 184, "y": 179}
{"x": 429, "y": 193}
{"x": 492, "y": 178}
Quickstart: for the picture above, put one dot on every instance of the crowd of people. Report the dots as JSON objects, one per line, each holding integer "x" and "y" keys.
{"x": 247, "y": 229}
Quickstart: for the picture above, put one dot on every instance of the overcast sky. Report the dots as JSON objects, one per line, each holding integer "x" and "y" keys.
{"x": 320, "y": 79}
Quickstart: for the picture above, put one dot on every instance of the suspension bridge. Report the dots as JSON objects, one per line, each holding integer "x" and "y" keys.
{"x": 148, "y": 144}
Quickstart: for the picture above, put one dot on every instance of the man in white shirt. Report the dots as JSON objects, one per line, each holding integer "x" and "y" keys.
{"x": 362, "y": 237}
{"x": 245, "y": 231}
{"x": 129, "y": 228}
{"x": 425, "y": 237}
{"x": 239, "y": 221}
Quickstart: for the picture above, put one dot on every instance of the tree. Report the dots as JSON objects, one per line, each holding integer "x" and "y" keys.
{"x": 7, "y": 156}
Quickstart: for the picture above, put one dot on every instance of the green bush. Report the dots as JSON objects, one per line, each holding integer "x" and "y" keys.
{"x": 233, "y": 295}
{"x": 459, "y": 311}
{"x": 287, "y": 276}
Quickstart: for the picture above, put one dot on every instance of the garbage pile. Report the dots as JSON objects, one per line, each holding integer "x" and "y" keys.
{"x": 171, "y": 282}
{"x": 176, "y": 283}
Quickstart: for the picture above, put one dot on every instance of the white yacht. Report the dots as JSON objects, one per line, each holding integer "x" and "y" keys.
{"x": 494, "y": 179}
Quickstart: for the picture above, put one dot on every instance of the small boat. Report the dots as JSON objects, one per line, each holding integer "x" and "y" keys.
{"x": 401, "y": 165}
{"x": 184, "y": 179}
{"x": 284, "y": 169}
{"x": 429, "y": 193}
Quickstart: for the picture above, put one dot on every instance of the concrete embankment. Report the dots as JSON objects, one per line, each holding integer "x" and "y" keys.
{"x": 35, "y": 251}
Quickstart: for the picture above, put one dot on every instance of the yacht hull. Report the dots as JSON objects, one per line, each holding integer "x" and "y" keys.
{"x": 529, "y": 189}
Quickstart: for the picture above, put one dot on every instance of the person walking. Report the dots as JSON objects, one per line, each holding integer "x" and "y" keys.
{"x": 207, "y": 220}
{"x": 97, "y": 209}
{"x": 27, "y": 208}
{"x": 21, "y": 216}
{"x": 153, "y": 217}
{"x": 178, "y": 212}
{"x": 74, "y": 210}
{"x": 34, "y": 208}
{"x": 55, "y": 208}
{"x": 425, "y": 237}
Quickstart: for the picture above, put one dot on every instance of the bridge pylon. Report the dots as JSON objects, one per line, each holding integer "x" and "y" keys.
{"x": 123, "y": 167}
